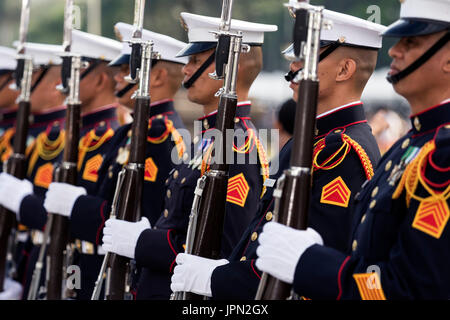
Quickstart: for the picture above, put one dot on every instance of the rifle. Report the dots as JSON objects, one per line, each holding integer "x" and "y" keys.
{"x": 128, "y": 193}
{"x": 57, "y": 227}
{"x": 292, "y": 194}
{"x": 206, "y": 221}
{"x": 16, "y": 164}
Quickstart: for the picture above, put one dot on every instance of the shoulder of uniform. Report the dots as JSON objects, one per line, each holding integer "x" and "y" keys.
{"x": 429, "y": 168}
{"x": 332, "y": 150}
{"x": 160, "y": 128}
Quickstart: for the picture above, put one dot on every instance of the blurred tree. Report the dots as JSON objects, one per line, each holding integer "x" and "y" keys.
{"x": 162, "y": 16}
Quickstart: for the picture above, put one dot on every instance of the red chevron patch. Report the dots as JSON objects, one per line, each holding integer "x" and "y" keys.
{"x": 151, "y": 170}
{"x": 336, "y": 193}
{"x": 237, "y": 190}
{"x": 90, "y": 172}
{"x": 432, "y": 217}
{"x": 44, "y": 175}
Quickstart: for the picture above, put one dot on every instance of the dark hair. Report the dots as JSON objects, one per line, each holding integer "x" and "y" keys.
{"x": 286, "y": 115}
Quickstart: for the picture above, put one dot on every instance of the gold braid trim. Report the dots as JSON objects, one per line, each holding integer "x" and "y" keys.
{"x": 5, "y": 144}
{"x": 177, "y": 138}
{"x": 365, "y": 160}
{"x": 157, "y": 140}
{"x": 414, "y": 177}
{"x": 91, "y": 142}
{"x": 46, "y": 149}
{"x": 264, "y": 163}
{"x": 320, "y": 145}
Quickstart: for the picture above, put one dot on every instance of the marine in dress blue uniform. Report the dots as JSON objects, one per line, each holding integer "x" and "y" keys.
{"x": 47, "y": 114}
{"x": 329, "y": 212}
{"x": 90, "y": 211}
{"x": 97, "y": 128}
{"x": 399, "y": 244}
{"x": 157, "y": 247}
{"x": 345, "y": 155}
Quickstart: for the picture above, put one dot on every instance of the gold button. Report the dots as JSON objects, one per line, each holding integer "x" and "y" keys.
{"x": 236, "y": 120}
{"x": 110, "y": 175}
{"x": 102, "y": 124}
{"x": 243, "y": 258}
{"x": 372, "y": 204}
{"x": 129, "y": 133}
{"x": 342, "y": 39}
{"x": 417, "y": 124}
{"x": 167, "y": 181}
{"x": 363, "y": 218}
{"x": 254, "y": 236}
{"x": 388, "y": 165}
{"x": 166, "y": 213}
{"x": 354, "y": 245}
{"x": 175, "y": 174}
{"x": 183, "y": 180}
{"x": 447, "y": 126}
{"x": 269, "y": 216}
{"x": 169, "y": 194}
{"x": 159, "y": 116}
{"x": 405, "y": 143}
{"x": 206, "y": 124}
{"x": 337, "y": 131}
{"x": 374, "y": 192}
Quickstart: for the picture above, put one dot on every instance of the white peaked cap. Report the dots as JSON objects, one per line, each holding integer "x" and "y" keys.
{"x": 43, "y": 54}
{"x": 420, "y": 17}
{"x": 199, "y": 28}
{"x": 7, "y": 58}
{"x": 93, "y": 46}
{"x": 348, "y": 30}
{"x": 166, "y": 46}
{"x": 437, "y": 10}
{"x": 201, "y": 38}
{"x": 352, "y": 30}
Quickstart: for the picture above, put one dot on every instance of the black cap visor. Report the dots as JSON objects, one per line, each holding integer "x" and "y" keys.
{"x": 122, "y": 59}
{"x": 196, "y": 47}
{"x": 415, "y": 27}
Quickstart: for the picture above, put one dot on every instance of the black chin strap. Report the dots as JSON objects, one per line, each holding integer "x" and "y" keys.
{"x": 92, "y": 65}
{"x": 41, "y": 76}
{"x": 292, "y": 74}
{"x": 130, "y": 86}
{"x": 127, "y": 88}
{"x": 8, "y": 79}
{"x": 200, "y": 71}
{"x": 420, "y": 61}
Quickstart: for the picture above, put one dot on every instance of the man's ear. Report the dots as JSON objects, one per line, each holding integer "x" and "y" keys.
{"x": 446, "y": 63}
{"x": 346, "y": 69}
{"x": 158, "y": 77}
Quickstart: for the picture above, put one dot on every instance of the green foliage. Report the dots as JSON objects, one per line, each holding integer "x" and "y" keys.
{"x": 162, "y": 16}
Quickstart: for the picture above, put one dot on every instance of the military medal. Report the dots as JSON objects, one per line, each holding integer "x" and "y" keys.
{"x": 123, "y": 155}
{"x": 399, "y": 168}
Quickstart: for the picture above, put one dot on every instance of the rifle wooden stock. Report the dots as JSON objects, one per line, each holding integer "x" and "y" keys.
{"x": 59, "y": 232}
{"x": 130, "y": 195}
{"x": 294, "y": 202}
{"x": 211, "y": 215}
{"x": 16, "y": 166}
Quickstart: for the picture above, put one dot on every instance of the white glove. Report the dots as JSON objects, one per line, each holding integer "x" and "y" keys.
{"x": 12, "y": 290}
{"x": 281, "y": 247}
{"x": 193, "y": 274}
{"x": 12, "y": 191}
{"x": 60, "y": 198}
{"x": 121, "y": 236}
